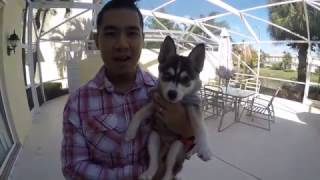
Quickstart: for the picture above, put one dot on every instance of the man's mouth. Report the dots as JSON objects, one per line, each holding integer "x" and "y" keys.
{"x": 122, "y": 58}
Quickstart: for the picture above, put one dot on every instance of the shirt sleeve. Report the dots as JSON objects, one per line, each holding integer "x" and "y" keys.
{"x": 76, "y": 163}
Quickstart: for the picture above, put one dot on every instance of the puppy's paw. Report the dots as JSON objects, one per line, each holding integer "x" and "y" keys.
{"x": 204, "y": 152}
{"x": 147, "y": 175}
{"x": 130, "y": 134}
{"x": 166, "y": 177}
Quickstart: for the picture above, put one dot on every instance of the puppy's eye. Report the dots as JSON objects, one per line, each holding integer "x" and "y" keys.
{"x": 185, "y": 80}
{"x": 166, "y": 77}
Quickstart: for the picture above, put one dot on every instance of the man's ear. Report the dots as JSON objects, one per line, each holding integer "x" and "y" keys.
{"x": 96, "y": 39}
{"x": 168, "y": 48}
{"x": 197, "y": 57}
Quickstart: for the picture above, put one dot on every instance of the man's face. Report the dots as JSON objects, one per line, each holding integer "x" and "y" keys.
{"x": 120, "y": 40}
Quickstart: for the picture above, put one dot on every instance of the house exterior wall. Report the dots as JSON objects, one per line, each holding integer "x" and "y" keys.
{"x": 11, "y": 71}
{"x": 295, "y": 62}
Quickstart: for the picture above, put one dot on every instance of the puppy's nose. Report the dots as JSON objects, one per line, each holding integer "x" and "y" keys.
{"x": 172, "y": 95}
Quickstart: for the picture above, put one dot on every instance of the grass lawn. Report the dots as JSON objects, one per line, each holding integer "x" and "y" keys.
{"x": 284, "y": 75}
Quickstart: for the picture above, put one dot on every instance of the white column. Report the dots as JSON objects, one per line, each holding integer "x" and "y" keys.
{"x": 306, "y": 87}
{"x": 40, "y": 76}
{"x": 30, "y": 60}
{"x": 258, "y": 68}
{"x": 308, "y": 75}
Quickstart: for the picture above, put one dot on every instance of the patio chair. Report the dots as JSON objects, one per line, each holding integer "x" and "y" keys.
{"x": 212, "y": 82}
{"x": 251, "y": 84}
{"x": 228, "y": 105}
{"x": 235, "y": 82}
{"x": 261, "y": 108}
{"x": 212, "y": 101}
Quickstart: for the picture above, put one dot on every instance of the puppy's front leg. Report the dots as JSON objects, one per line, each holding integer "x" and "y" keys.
{"x": 140, "y": 115}
{"x": 198, "y": 125}
{"x": 153, "y": 149}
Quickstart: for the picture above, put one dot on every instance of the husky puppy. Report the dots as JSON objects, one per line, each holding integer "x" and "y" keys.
{"x": 178, "y": 82}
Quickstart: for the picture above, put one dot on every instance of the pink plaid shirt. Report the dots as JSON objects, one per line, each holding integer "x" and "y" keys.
{"x": 95, "y": 120}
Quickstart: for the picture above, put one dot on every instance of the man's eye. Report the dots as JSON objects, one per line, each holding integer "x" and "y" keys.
{"x": 133, "y": 34}
{"x": 109, "y": 33}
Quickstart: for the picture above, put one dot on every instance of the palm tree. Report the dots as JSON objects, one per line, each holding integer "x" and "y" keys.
{"x": 77, "y": 31}
{"x": 248, "y": 54}
{"x": 291, "y": 16}
{"x": 41, "y": 19}
{"x": 286, "y": 61}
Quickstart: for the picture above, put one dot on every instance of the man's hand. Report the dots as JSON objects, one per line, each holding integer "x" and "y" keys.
{"x": 174, "y": 115}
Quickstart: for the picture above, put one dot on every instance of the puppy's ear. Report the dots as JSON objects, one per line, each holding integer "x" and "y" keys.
{"x": 168, "y": 48}
{"x": 197, "y": 57}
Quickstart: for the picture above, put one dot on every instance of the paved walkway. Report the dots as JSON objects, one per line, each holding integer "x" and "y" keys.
{"x": 290, "y": 151}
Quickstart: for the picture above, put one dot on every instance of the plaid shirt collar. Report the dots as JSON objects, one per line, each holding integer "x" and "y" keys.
{"x": 100, "y": 81}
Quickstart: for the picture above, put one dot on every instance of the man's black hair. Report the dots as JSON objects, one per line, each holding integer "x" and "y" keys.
{"x": 119, "y": 4}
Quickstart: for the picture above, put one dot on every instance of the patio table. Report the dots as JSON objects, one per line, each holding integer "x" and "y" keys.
{"x": 237, "y": 96}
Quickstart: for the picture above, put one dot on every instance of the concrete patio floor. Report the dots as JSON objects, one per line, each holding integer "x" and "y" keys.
{"x": 290, "y": 151}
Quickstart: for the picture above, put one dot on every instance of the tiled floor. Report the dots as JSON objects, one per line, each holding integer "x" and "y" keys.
{"x": 40, "y": 158}
{"x": 290, "y": 151}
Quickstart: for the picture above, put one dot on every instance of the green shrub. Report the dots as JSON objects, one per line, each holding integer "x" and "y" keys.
{"x": 289, "y": 70}
{"x": 277, "y": 66}
{"x": 53, "y": 90}
{"x": 314, "y": 92}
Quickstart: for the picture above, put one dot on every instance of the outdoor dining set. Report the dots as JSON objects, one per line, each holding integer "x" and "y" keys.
{"x": 239, "y": 97}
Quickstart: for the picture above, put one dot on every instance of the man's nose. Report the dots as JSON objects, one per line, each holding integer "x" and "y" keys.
{"x": 122, "y": 42}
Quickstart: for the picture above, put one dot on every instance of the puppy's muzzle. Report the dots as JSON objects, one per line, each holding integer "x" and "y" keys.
{"x": 172, "y": 95}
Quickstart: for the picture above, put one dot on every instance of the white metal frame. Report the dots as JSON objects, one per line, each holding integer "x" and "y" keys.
{"x": 243, "y": 14}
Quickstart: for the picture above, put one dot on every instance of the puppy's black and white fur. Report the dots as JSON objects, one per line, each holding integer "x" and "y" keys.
{"x": 178, "y": 82}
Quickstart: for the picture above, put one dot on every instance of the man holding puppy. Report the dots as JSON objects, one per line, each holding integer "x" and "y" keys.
{"x": 96, "y": 116}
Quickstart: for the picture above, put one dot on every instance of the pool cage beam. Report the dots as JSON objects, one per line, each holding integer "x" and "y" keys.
{"x": 65, "y": 21}
{"x": 30, "y": 59}
{"x": 233, "y": 10}
{"x": 249, "y": 9}
{"x": 229, "y": 30}
{"x": 201, "y": 22}
{"x": 185, "y": 21}
{"x": 157, "y": 8}
{"x": 309, "y": 58}
{"x": 277, "y": 26}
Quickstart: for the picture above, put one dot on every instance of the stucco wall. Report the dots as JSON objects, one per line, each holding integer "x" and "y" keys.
{"x": 11, "y": 69}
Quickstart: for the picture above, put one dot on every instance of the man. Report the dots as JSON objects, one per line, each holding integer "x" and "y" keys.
{"x": 96, "y": 116}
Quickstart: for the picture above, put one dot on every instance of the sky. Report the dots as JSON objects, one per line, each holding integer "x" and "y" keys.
{"x": 195, "y": 8}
